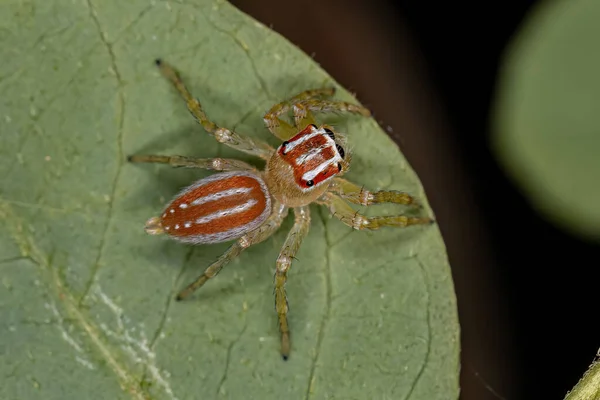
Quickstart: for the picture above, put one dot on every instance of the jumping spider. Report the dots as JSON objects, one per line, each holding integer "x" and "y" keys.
{"x": 248, "y": 205}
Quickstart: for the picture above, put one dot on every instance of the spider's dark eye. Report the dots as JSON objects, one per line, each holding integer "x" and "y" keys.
{"x": 314, "y": 126}
{"x": 330, "y": 133}
{"x": 283, "y": 147}
{"x": 310, "y": 183}
{"x": 340, "y": 150}
{"x": 339, "y": 166}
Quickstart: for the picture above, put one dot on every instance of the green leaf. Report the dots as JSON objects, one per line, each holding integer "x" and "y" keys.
{"x": 547, "y": 130}
{"x": 588, "y": 386}
{"x": 87, "y": 297}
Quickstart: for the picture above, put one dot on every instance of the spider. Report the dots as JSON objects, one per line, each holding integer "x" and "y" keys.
{"x": 248, "y": 205}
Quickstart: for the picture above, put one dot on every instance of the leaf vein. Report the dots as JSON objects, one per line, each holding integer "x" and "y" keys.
{"x": 30, "y": 250}
{"x": 121, "y": 120}
{"x": 326, "y": 313}
{"x": 52, "y": 209}
{"x": 134, "y": 22}
{"x": 428, "y": 349}
{"x": 228, "y": 359}
{"x": 240, "y": 44}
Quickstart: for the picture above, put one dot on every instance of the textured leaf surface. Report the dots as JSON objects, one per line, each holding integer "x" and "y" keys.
{"x": 547, "y": 130}
{"x": 86, "y": 296}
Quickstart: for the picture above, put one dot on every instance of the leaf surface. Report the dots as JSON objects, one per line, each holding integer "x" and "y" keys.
{"x": 87, "y": 296}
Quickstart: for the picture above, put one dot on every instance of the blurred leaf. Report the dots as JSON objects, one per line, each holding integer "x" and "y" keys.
{"x": 87, "y": 296}
{"x": 547, "y": 128}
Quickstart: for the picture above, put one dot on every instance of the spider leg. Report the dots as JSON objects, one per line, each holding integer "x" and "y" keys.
{"x": 284, "y": 130}
{"x": 284, "y": 262}
{"x": 216, "y": 164}
{"x": 329, "y": 106}
{"x": 222, "y": 135}
{"x": 303, "y": 111}
{"x": 342, "y": 211}
{"x": 359, "y": 195}
{"x": 256, "y": 236}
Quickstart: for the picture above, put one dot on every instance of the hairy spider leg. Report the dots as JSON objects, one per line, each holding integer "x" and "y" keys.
{"x": 222, "y": 135}
{"x": 304, "y": 109}
{"x": 359, "y": 195}
{"x": 342, "y": 211}
{"x": 214, "y": 164}
{"x": 282, "y": 129}
{"x": 302, "y": 105}
{"x": 284, "y": 262}
{"x": 268, "y": 228}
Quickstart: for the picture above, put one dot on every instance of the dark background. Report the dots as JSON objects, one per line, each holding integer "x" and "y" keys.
{"x": 526, "y": 290}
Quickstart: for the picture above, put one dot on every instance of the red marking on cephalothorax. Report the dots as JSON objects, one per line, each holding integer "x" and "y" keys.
{"x": 309, "y": 150}
{"x": 220, "y": 207}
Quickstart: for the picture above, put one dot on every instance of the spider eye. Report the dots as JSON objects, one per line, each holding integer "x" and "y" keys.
{"x": 310, "y": 183}
{"x": 330, "y": 133}
{"x": 285, "y": 143}
{"x": 314, "y": 127}
{"x": 340, "y": 150}
{"x": 339, "y": 166}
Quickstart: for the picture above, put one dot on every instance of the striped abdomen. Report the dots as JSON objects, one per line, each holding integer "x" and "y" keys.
{"x": 218, "y": 208}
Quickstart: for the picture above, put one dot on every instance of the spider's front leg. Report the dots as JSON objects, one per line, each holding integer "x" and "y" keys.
{"x": 303, "y": 104}
{"x": 258, "y": 235}
{"x": 284, "y": 262}
{"x": 281, "y": 128}
{"x": 223, "y": 135}
{"x": 359, "y": 195}
{"x": 342, "y": 211}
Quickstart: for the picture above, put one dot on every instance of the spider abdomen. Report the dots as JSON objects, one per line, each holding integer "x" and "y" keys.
{"x": 218, "y": 208}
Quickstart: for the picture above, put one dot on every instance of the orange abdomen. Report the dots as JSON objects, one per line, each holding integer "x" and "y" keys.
{"x": 218, "y": 208}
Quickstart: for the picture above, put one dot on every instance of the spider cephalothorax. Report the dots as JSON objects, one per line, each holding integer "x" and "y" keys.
{"x": 301, "y": 168}
{"x": 247, "y": 205}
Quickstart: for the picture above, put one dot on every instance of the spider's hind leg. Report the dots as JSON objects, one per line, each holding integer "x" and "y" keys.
{"x": 268, "y": 228}
{"x": 284, "y": 262}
